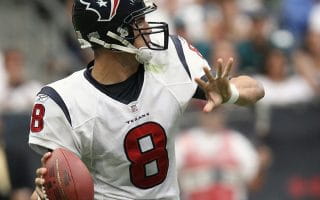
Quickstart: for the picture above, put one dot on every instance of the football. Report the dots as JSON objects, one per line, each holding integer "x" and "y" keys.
{"x": 67, "y": 177}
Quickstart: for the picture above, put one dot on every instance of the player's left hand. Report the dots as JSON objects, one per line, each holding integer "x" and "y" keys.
{"x": 217, "y": 89}
{"x": 39, "y": 181}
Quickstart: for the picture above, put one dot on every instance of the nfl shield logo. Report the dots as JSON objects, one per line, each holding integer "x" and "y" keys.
{"x": 133, "y": 107}
{"x": 105, "y": 9}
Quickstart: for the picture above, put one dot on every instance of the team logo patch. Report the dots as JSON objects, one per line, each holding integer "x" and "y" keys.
{"x": 105, "y": 9}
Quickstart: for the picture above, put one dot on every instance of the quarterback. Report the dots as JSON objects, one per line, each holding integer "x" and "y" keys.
{"x": 117, "y": 115}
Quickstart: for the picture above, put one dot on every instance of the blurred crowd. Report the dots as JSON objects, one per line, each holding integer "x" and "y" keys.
{"x": 276, "y": 41}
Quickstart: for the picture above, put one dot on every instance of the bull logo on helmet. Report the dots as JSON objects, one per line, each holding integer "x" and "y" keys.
{"x": 105, "y": 9}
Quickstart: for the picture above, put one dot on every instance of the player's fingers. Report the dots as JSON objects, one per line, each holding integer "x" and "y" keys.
{"x": 208, "y": 74}
{"x": 43, "y": 189}
{"x": 209, "y": 106}
{"x": 45, "y": 157}
{"x": 219, "y": 68}
{"x": 41, "y": 171}
{"x": 227, "y": 68}
{"x": 39, "y": 182}
{"x": 201, "y": 83}
{"x": 40, "y": 194}
{"x": 216, "y": 99}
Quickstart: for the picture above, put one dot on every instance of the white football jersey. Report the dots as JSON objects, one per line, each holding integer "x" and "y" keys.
{"x": 129, "y": 149}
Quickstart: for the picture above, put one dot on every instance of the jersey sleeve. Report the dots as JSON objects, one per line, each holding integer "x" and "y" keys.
{"x": 185, "y": 64}
{"x": 50, "y": 128}
{"x": 195, "y": 61}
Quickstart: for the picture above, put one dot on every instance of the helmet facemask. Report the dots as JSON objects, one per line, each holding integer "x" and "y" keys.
{"x": 154, "y": 30}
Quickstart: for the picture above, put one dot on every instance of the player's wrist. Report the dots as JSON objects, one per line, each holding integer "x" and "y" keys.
{"x": 234, "y": 94}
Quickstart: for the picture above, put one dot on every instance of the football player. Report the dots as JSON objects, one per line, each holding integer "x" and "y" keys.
{"x": 118, "y": 114}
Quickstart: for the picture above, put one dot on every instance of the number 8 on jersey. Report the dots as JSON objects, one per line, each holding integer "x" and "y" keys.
{"x": 145, "y": 147}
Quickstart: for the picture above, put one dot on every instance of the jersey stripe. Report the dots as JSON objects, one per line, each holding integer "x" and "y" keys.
{"x": 177, "y": 43}
{"x": 56, "y": 98}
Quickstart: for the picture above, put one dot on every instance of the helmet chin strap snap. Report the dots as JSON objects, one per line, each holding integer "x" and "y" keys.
{"x": 143, "y": 54}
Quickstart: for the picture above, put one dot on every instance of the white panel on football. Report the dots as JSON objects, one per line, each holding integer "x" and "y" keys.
{"x": 151, "y": 168}
{"x": 146, "y": 144}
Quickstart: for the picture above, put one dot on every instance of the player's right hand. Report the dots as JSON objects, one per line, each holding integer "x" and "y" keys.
{"x": 217, "y": 89}
{"x": 39, "y": 181}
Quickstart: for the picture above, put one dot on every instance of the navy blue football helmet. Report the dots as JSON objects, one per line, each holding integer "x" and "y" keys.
{"x": 111, "y": 24}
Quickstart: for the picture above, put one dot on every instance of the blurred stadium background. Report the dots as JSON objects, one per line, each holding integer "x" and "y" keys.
{"x": 276, "y": 41}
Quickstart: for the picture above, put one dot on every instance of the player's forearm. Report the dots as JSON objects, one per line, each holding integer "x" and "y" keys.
{"x": 250, "y": 90}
